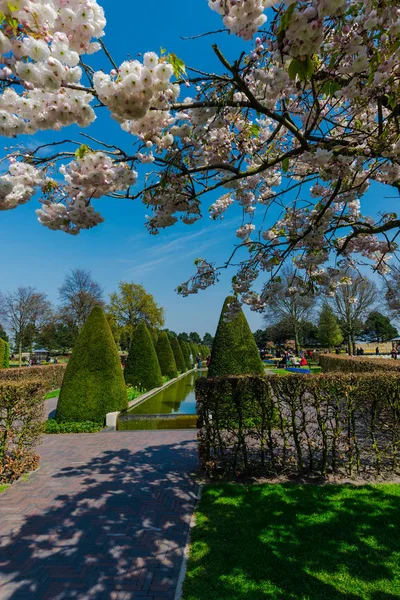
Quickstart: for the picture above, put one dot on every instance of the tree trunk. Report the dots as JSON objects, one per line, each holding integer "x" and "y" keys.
{"x": 296, "y": 341}
{"x": 349, "y": 347}
{"x": 20, "y": 354}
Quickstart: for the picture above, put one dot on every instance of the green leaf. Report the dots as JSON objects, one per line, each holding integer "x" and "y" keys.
{"x": 286, "y": 17}
{"x": 82, "y": 150}
{"x": 162, "y": 50}
{"x": 255, "y": 129}
{"x": 285, "y": 165}
{"x": 12, "y": 7}
{"x": 2, "y": 16}
{"x": 177, "y": 64}
{"x": 330, "y": 87}
{"x": 303, "y": 69}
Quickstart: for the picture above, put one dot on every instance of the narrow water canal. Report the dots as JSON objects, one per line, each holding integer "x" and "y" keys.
{"x": 171, "y": 408}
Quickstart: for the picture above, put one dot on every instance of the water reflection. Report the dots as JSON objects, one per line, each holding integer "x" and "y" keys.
{"x": 178, "y": 398}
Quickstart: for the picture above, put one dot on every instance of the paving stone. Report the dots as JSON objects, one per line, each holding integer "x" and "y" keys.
{"x": 105, "y": 516}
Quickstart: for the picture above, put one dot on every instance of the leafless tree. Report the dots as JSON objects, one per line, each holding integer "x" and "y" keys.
{"x": 352, "y": 302}
{"x": 24, "y": 311}
{"x": 392, "y": 295}
{"x": 288, "y": 303}
{"x": 79, "y": 294}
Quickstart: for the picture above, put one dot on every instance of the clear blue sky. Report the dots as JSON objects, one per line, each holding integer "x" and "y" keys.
{"x": 121, "y": 249}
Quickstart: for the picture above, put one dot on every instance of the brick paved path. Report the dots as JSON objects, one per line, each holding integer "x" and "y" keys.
{"x": 105, "y": 517}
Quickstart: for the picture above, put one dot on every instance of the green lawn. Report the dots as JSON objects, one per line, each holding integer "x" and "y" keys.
{"x": 3, "y": 487}
{"x": 52, "y": 394}
{"x": 294, "y": 542}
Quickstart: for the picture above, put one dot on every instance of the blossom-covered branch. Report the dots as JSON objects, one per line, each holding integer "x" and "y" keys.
{"x": 298, "y": 126}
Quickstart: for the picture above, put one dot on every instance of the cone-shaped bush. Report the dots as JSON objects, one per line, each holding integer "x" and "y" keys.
{"x": 6, "y": 362}
{"x": 2, "y": 353}
{"x": 166, "y": 356}
{"x": 93, "y": 383}
{"x": 185, "y": 351}
{"x": 176, "y": 349}
{"x": 234, "y": 350}
{"x": 193, "y": 350}
{"x": 142, "y": 367}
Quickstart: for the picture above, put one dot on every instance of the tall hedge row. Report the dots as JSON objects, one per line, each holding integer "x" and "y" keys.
{"x": 165, "y": 356}
{"x": 142, "y": 367}
{"x": 179, "y": 359}
{"x": 93, "y": 384}
{"x": 333, "y": 363}
{"x": 234, "y": 350}
{"x": 345, "y": 424}
{"x": 51, "y": 376}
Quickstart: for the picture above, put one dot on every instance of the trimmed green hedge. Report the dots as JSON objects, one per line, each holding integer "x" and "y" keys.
{"x": 166, "y": 356}
{"x": 142, "y": 367}
{"x": 185, "y": 353}
{"x": 333, "y": 363}
{"x": 234, "y": 350}
{"x": 179, "y": 359}
{"x": 347, "y": 424}
{"x": 53, "y": 426}
{"x": 2, "y": 353}
{"x": 51, "y": 376}
{"x": 6, "y": 360}
{"x": 93, "y": 384}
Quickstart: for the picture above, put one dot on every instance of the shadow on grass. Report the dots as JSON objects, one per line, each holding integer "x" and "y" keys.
{"x": 111, "y": 528}
{"x": 296, "y": 542}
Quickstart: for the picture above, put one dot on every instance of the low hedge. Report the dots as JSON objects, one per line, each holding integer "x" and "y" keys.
{"x": 345, "y": 424}
{"x": 53, "y": 426}
{"x": 21, "y": 424}
{"x": 334, "y": 363}
{"x": 51, "y": 376}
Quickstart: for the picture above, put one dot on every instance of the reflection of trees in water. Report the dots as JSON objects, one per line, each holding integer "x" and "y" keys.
{"x": 169, "y": 400}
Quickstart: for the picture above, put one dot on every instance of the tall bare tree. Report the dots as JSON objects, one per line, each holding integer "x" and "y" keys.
{"x": 79, "y": 294}
{"x": 352, "y": 301}
{"x": 24, "y": 311}
{"x": 289, "y": 304}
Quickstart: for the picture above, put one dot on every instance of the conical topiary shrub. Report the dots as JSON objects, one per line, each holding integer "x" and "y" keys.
{"x": 166, "y": 356}
{"x": 2, "y": 353}
{"x": 142, "y": 367}
{"x": 185, "y": 352}
{"x": 93, "y": 383}
{"x": 234, "y": 350}
{"x": 176, "y": 349}
{"x": 6, "y": 362}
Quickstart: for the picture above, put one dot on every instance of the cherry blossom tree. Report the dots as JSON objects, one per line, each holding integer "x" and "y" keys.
{"x": 299, "y": 126}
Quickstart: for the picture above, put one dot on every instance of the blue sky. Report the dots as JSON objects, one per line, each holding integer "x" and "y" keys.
{"x": 121, "y": 248}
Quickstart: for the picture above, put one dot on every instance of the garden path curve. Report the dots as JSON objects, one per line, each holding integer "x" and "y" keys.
{"x": 106, "y": 517}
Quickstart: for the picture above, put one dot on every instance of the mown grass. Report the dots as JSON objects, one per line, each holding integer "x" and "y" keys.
{"x": 52, "y": 394}
{"x": 3, "y": 487}
{"x": 294, "y": 542}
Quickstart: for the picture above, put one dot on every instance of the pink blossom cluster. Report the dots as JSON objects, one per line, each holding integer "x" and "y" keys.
{"x": 18, "y": 185}
{"x": 242, "y": 17}
{"x": 135, "y": 88}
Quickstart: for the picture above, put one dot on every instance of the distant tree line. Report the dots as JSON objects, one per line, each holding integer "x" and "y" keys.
{"x": 350, "y": 315}
{"x": 29, "y": 319}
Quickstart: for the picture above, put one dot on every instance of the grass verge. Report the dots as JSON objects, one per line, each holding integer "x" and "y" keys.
{"x": 294, "y": 542}
{"x": 52, "y": 394}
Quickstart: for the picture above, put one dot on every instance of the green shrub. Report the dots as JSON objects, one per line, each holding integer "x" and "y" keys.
{"x": 142, "y": 367}
{"x": 234, "y": 350}
{"x": 166, "y": 356}
{"x": 93, "y": 384}
{"x": 50, "y": 376}
{"x": 179, "y": 359}
{"x": 21, "y": 424}
{"x": 185, "y": 351}
{"x": 333, "y": 363}
{"x": 2, "y": 353}
{"x": 53, "y": 426}
{"x": 6, "y": 361}
{"x": 134, "y": 392}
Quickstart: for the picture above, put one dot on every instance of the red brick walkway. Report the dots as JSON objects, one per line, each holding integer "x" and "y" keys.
{"x": 105, "y": 517}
